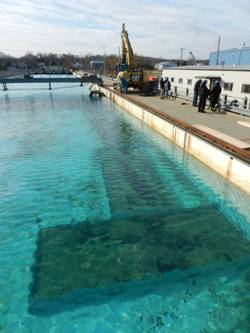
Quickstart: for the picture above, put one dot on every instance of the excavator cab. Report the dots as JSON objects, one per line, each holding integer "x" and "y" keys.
{"x": 121, "y": 67}
{"x": 133, "y": 78}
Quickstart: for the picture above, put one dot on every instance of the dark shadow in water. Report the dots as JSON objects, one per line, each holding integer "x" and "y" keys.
{"x": 7, "y": 101}
{"x": 52, "y": 104}
{"x": 92, "y": 263}
{"x": 31, "y": 105}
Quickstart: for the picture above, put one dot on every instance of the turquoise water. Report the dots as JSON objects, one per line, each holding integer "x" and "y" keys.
{"x": 107, "y": 227}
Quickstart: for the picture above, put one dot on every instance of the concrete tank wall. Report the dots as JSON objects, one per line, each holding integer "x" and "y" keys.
{"x": 230, "y": 167}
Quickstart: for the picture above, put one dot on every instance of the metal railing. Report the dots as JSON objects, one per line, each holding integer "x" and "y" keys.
{"x": 227, "y": 102}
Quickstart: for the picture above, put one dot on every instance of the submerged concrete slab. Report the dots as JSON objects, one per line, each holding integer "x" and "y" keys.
{"x": 109, "y": 253}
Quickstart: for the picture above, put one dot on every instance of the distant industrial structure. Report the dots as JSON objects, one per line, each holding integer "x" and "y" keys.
{"x": 97, "y": 65}
{"x": 164, "y": 64}
{"x": 234, "y": 56}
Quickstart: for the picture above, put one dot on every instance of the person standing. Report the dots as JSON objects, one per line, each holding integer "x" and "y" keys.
{"x": 161, "y": 88}
{"x": 215, "y": 95}
{"x": 167, "y": 87}
{"x": 203, "y": 95}
{"x": 196, "y": 92}
{"x": 124, "y": 85}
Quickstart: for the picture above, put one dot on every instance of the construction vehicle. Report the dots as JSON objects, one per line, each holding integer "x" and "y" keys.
{"x": 143, "y": 81}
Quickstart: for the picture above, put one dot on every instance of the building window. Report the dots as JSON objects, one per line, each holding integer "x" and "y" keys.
{"x": 228, "y": 86}
{"x": 180, "y": 80}
{"x": 189, "y": 81}
{"x": 245, "y": 88}
{"x": 172, "y": 79}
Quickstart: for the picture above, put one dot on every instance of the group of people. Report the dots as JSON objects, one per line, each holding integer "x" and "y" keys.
{"x": 202, "y": 92}
{"x": 165, "y": 87}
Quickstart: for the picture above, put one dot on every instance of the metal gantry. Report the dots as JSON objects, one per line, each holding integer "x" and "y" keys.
{"x": 81, "y": 80}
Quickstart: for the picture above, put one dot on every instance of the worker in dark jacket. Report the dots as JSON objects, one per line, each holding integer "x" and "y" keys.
{"x": 215, "y": 95}
{"x": 161, "y": 88}
{"x": 203, "y": 95}
{"x": 196, "y": 92}
{"x": 167, "y": 87}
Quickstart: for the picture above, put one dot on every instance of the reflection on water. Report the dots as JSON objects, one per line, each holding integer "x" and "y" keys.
{"x": 7, "y": 101}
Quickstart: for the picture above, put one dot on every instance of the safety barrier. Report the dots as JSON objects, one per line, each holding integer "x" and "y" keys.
{"x": 227, "y": 102}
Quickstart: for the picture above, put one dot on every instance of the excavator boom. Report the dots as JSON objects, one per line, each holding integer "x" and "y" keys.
{"x": 127, "y": 51}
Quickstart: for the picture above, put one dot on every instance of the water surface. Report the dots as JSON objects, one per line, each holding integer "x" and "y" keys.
{"x": 108, "y": 227}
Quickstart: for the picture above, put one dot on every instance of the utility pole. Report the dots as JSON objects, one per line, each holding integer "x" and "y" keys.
{"x": 181, "y": 55}
{"x": 218, "y": 52}
{"x": 241, "y": 49}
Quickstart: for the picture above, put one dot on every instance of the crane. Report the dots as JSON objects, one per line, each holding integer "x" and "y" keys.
{"x": 193, "y": 57}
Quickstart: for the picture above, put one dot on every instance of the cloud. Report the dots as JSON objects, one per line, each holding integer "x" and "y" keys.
{"x": 156, "y": 28}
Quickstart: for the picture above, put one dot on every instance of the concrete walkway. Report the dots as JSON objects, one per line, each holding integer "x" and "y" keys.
{"x": 226, "y": 126}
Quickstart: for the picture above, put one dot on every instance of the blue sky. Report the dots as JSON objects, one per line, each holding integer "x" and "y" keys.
{"x": 156, "y": 28}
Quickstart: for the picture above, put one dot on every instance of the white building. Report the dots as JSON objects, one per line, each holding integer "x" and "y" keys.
{"x": 234, "y": 80}
{"x": 97, "y": 65}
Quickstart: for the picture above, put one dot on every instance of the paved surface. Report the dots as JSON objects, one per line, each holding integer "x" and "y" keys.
{"x": 108, "y": 81}
{"x": 225, "y": 123}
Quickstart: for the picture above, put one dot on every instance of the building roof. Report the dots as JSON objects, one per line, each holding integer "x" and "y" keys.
{"x": 243, "y": 68}
{"x": 164, "y": 64}
{"x": 235, "y": 49}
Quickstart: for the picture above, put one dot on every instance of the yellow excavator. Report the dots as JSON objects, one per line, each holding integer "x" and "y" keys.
{"x": 135, "y": 78}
